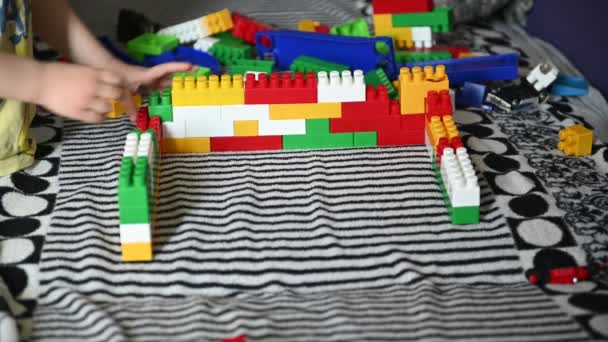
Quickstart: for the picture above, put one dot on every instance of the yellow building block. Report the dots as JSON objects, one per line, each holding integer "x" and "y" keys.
{"x": 246, "y": 128}
{"x": 118, "y": 110}
{"x": 136, "y": 251}
{"x": 435, "y": 130}
{"x": 415, "y": 85}
{"x": 208, "y": 91}
{"x": 186, "y": 145}
{"x": 218, "y": 22}
{"x": 306, "y": 25}
{"x": 305, "y": 111}
{"x": 383, "y": 26}
{"x": 576, "y": 141}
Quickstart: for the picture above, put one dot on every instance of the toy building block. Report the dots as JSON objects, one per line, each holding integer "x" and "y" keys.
{"x": 151, "y": 44}
{"x": 243, "y": 66}
{"x": 217, "y": 22}
{"x": 141, "y": 122}
{"x": 282, "y": 127}
{"x": 118, "y": 110}
{"x": 359, "y": 53}
{"x": 415, "y": 85}
{"x": 408, "y": 56}
{"x": 241, "y": 338}
{"x": 159, "y": 104}
{"x": 471, "y": 95}
{"x": 422, "y": 37}
{"x": 459, "y": 178}
{"x": 320, "y": 141}
{"x": 227, "y": 52}
{"x": 203, "y": 121}
{"x": 200, "y": 71}
{"x": 439, "y": 103}
{"x": 355, "y": 28}
{"x": 341, "y": 87}
{"x": 198, "y": 58}
{"x": 440, "y": 19}
{"x": 378, "y": 77}
{"x": 542, "y": 76}
{"x": 186, "y": 145}
{"x": 410, "y": 6}
{"x": 306, "y": 25}
{"x": 155, "y": 124}
{"x": 205, "y": 44}
{"x": 211, "y": 91}
{"x": 375, "y": 105}
{"x": 172, "y": 129}
{"x": 260, "y": 143}
{"x": 569, "y": 86}
{"x": 317, "y": 126}
{"x": 245, "y": 112}
{"x": 576, "y": 141}
{"x": 383, "y": 26}
{"x": 281, "y": 88}
{"x": 456, "y": 51}
{"x": 208, "y": 25}
{"x": 310, "y": 64}
{"x": 246, "y": 28}
{"x": 246, "y": 128}
{"x": 305, "y": 111}
{"x": 413, "y": 122}
{"x": 365, "y": 139}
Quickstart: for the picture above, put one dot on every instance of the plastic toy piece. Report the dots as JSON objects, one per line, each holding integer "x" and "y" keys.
{"x": 132, "y": 24}
{"x": 159, "y": 104}
{"x": 422, "y": 37}
{"x": 281, "y": 88}
{"x": 306, "y": 25}
{"x": 383, "y": 26}
{"x": 439, "y": 103}
{"x": 116, "y": 52}
{"x": 243, "y": 66}
{"x": 460, "y": 178}
{"x": 440, "y": 19}
{"x": 246, "y": 28}
{"x": 203, "y": 91}
{"x": 118, "y": 110}
{"x": 410, "y": 6}
{"x": 246, "y": 128}
{"x": 227, "y": 52}
{"x": 565, "y": 275}
{"x": 261, "y": 143}
{"x": 318, "y": 141}
{"x": 471, "y": 95}
{"x": 576, "y": 141}
{"x": 456, "y": 51}
{"x": 141, "y": 122}
{"x": 186, "y": 54}
{"x": 569, "y": 86}
{"x": 355, "y": 28}
{"x": 241, "y": 338}
{"x": 208, "y": 25}
{"x": 305, "y": 111}
{"x": 317, "y": 127}
{"x": 205, "y": 44}
{"x": 202, "y": 121}
{"x": 310, "y": 64}
{"x": 542, "y": 76}
{"x": 359, "y": 53}
{"x": 282, "y": 127}
{"x": 413, "y": 122}
{"x": 218, "y": 22}
{"x": 186, "y": 145}
{"x": 365, "y": 139}
{"x": 341, "y": 87}
{"x": 151, "y": 44}
{"x": 378, "y": 77}
{"x": 477, "y": 69}
{"x": 415, "y": 85}
{"x": 421, "y": 56}
{"x": 514, "y": 96}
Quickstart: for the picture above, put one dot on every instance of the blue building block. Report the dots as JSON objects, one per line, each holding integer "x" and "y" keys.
{"x": 166, "y": 57}
{"x": 116, "y": 52}
{"x": 186, "y": 54}
{"x": 477, "y": 69}
{"x": 359, "y": 53}
{"x": 569, "y": 86}
{"x": 471, "y": 95}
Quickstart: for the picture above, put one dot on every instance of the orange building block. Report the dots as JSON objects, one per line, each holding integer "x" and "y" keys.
{"x": 415, "y": 85}
{"x": 118, "y": 110}
{"x": 383, "y": 26}
{"x": 136, "y": 251}
{"x": 246, "y": 128}
{"x": 305, "y": 111}
{"x": 575, "y": 141}
{"x": 186, "y": 145}
{"x": 218, "y": 22}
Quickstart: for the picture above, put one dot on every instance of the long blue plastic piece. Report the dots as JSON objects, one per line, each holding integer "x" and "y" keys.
{"x": 186, "y": 54}
{"x": 477, "y": 69}
{"x": 359, "y": 53}
{"x": 569, "y": 86}
{"x": 118, "y": 53}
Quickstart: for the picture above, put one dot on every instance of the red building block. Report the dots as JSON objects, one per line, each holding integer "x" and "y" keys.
{"x": 380, "y": 124}
{"x": 456, "y": 143}
{"x": 454, "y": 50}
{"x": 401, "y": 6}
{"x": 402, "y": 137}
{"x": 438, "y": 103}
{"x": 376, "y": 104}
{"x": 156, "y": 125}
{"x": 261, "y": 143}
{"x": 245, "y": 28}
{"x": 142, "y": 119}
{"x": 322, "y": 29}
{"x": 281, "y": 88}
{"x": 413, "y": 121}
{"x": 241, "y": 338}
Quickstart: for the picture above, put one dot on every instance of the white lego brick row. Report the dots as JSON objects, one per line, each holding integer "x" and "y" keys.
{"x": 281, "y": 127}
{"x": 459, "y": 178}
{"x": 174, "y": 130}
{"x": 345, "y": 87}
{"x": 422, "y": 37}
{"x": 542, "y": 76}
{"x": 135, "y": 232}
{"x": 187, "y": 32}
{"x": 131, "y": 146}
{"x": 245, "y": 112}
{"x": 204, "y": 44}
{"x": 203, "y": 121}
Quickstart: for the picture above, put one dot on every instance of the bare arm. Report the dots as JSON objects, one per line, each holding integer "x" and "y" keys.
{"x": 19, "y": 78}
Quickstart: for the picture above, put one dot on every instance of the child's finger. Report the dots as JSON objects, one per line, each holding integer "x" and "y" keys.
{"x": 111, "y": 78}
{"x": 128, "y": 103}
{"x": 160, "y": 71}
{"x": 109, "y": 92}
{"x": 99, "y": 105}
{"x": 91, "y": 116}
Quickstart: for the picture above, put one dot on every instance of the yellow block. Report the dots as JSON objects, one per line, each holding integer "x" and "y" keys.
{"x": 186, "y": 145}
{"x": 118, "y": 110}
{"x": 383, "y": 26}
{"x": 415, "y": 85}
{"x": 218, "y": 22}
{"x": 136, "y": 251}
{"x": 246, "y": 128}
{"x": 306, "y": 25}
{"x": 212, "y": 91}
{"x": 305, "y": 111}
{"x": 576, "y": 141}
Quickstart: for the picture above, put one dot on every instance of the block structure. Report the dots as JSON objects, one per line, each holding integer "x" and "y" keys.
{"x": 205, "y": 26}
{"x": 415, "y": 84}
{"x": 575, "y": 141}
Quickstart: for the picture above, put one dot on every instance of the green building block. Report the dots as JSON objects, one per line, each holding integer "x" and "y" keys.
{"x": 440, "y": 19}
{"x": 133, "y": 191}
{"x": 309, "y": 142}
{"x": 200, "y": 71}
{"x": 404, "y": 56}
{"x": 355, "y": 28}
{"x": 317, "y": 126}
{"x": 241, "y": 66}
{"x": 310, "y": 64}
{"x": 140, "y": 57}
{"x": 228, "y": 37}
{"x": 459, "y": 215}
{"x": 378, "y": 77}
{"x": 227, "y": 52}
{"x": 365, "y": 139}
{"x": 160, "y": 105}
{"x": 151, "y": 44}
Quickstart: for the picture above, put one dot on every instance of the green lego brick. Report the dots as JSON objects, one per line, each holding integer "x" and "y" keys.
{"x": 365, "y": 139}
{"x": 241, "y": 66}
{"x": 317, "y": 126}
{"x": 310, "y": 64}
{"x": 152, "y": 44}
{"x": 133, "y": 191}
{"x": 227, "y": 52}
{"x": 308, "y": 142}
{"x": 160, "y": 105}
{"x": 440, "y": 19}
{"x": 355, "y": 28}
{"x": 459, "y": 215}
{"x": 377, "y": 77}
{"x": 200, "y": 71}
{"x": 140, "y": 57}
{"x": 228, "y": 37}
{"x": 404, "y": 56}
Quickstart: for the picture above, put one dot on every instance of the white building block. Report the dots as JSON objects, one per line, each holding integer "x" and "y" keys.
{"x": 203, "y": 121}
{"x": 131, "y": 146}
{"x": 174, "y": 130}
{"x": 459, "y": 177}
{"x": 542, "y": 76}
{"x": 245, "y": 112}
{"x": 135, "y": 232}
{"x": 422, "y": 37}
{"x": 187, "y": 32}
{"x": 345, "y": 87}
{"x": 281, "y": 127}
{"x": 204, "y": 44}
